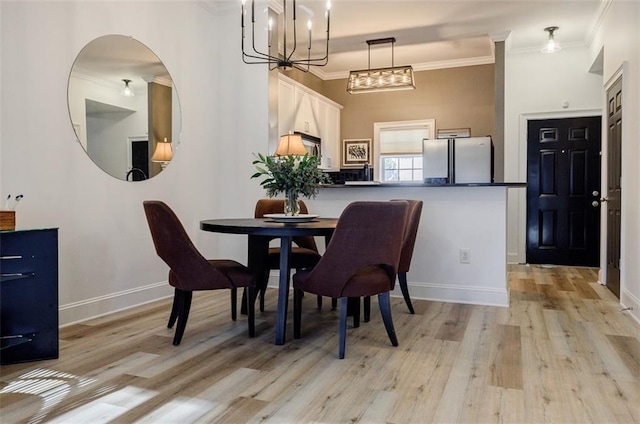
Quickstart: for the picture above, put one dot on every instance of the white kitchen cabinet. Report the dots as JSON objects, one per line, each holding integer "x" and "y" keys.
{"x": 301, "y": 109}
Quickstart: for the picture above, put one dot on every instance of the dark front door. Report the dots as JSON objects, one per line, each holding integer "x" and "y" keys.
{"x": 563, "y": 191}
{"x": 614, "y": 192}
{"x": 139, "y": 160}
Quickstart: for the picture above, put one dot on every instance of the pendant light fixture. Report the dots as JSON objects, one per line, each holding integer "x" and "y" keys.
{"x": 127, "y": 91}
{"x": 286, "y": 61}
{"x": 381, "y": 79}
{"x": 551, "y": 46}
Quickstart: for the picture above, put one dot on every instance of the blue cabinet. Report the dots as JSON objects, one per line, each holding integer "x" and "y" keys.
{"x": 28, "y": 295}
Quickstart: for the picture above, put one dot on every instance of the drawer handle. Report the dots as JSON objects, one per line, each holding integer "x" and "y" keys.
{"x": 15, "y": 276}
{"x": 11, "y": 257}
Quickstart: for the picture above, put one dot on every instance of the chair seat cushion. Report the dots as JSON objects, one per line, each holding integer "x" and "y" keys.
{"x": 300, "y": 258}
{"x": 368, "y": 281}
{"x": 238, "y": 275}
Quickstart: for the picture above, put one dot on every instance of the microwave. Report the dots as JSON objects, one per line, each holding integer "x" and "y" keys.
{"x": 312, "y": 144}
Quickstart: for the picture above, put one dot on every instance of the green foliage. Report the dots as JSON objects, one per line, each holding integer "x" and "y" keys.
{"x": 299, "y": 173}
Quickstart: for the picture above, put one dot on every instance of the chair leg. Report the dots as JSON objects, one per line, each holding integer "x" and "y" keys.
{"x": 385, "y": 309}
{"x": 263, "y": 289}
{"x": 319, "y": 302}
{"x": 174, "y": 310}
{"x": 342, "y": 327}
{"x": 402, "y": 279}
{"x": 234, "y": 303}
{"x": 355, "y": 304}
{"x": 251, "y": 311}
{"x": 367, "y": 308}
{"x": 297, "y": 312}
{"x": 184, "y": 305}
{"x": 334, "y": 303}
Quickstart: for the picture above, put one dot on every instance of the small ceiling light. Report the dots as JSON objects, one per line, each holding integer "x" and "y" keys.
{"x": 551, "y": 46}
{"x": 381, "y": 79}
{"x": 127, "y": 91}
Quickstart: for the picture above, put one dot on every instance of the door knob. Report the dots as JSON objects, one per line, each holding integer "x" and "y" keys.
{"x": 595, "y": 193}
{"x": 604, "y": 199}
{"x": 595, "y": 203}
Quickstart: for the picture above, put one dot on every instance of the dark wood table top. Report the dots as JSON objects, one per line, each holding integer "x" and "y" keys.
{"x": 268, "y": 227}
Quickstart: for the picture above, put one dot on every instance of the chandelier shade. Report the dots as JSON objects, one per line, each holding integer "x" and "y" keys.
{"x": 288, "y": 58}
{"x": 381, "y": 79}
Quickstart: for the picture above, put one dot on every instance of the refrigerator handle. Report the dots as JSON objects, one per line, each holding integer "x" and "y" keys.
{"x": 451, "y": 177}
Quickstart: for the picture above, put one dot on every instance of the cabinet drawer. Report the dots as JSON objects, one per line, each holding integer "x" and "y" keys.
{"x": 28, "y": 295}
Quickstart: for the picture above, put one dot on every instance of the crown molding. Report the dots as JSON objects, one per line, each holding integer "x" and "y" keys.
{"x": 596, "y": 21}
{"x": 417, "y": 67}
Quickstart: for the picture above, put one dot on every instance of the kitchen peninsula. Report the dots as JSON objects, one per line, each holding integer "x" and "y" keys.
{"x": 460, "y": 252}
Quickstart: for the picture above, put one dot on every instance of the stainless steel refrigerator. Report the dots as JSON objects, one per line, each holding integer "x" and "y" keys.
{"x": 464, "y": 160}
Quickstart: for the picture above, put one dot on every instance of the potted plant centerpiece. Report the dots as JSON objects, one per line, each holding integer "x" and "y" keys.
{"x": 293, "y": 175}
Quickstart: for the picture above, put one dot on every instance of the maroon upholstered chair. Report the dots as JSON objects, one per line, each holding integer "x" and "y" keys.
{"x": 361, "y": 260}
{"x": 190, "y": 271}
{"x": 304, "y": 253}
{"x": 408, "y": 243}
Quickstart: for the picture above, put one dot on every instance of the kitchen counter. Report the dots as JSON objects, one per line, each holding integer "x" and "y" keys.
{"x": 461, "y": 248}
{"x": 416, "y": 184}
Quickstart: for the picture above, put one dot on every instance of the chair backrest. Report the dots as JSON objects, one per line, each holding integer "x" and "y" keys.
{"x": 265, "y": 206}
{"x": 190, "y": 269}
{"x": 410, "y": 233}
{"x": 367, "y": 234}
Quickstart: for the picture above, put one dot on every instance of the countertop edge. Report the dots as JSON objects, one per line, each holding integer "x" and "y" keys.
{"x": 422, "y": 185}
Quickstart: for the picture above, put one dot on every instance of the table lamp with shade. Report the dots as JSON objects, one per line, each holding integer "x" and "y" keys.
{"x": 290, "y": 144}
{"x": 163, "y": 153}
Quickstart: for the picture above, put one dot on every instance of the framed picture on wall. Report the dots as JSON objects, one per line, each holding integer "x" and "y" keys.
{"x": 356, "y": 152}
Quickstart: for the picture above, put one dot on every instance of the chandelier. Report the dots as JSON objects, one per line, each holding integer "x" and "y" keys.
{"x": 286, "y": 60}
{"x": 381, "y": 79}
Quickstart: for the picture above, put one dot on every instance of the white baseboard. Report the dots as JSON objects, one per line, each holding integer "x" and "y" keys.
{"x": 72, "y": 313}
{"x": 628, "y": 300}
{"x": 443, "y": 293}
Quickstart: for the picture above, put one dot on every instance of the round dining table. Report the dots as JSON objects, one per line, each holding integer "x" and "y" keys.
{"x": 260, "y": 231}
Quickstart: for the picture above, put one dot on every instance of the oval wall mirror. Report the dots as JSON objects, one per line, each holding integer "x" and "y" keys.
{"x": 124, "y": 107}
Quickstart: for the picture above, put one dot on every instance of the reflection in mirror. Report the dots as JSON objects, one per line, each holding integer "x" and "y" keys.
{"x": 123, "y": 107}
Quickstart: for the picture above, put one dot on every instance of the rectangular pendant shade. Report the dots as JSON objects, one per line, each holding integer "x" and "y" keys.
{"x": 381, "y": 79}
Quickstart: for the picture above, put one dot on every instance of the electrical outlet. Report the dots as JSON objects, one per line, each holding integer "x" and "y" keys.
{"x": 465, "y": 256}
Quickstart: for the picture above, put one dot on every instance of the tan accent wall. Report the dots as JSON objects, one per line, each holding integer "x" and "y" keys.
{"x": 159, "y": 98}
{"x": 455, "y": 97}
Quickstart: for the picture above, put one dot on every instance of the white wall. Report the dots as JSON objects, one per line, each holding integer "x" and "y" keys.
{"x": 106, "y": 256}
{"x": 619, "y": 36}
{"x": 536, "y": 86}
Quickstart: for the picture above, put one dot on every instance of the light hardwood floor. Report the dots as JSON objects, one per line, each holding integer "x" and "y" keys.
{"x": 563, "y": 353}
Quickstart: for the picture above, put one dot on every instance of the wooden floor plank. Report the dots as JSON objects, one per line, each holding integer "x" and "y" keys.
{"x": 562, "y": 352}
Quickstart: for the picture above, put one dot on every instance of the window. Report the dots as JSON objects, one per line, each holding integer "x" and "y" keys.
{"x": 401, "y": 168}
{"x": 399, "y": 147}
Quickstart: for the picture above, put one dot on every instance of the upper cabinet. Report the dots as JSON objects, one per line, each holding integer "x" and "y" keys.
{"x": 301, "y": 109}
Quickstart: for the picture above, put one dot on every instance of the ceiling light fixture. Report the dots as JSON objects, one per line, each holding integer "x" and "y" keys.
{"x": 127, "y": 91}
{"x": 381, "y": 79}
{"x": 286, "y": 60}
{"x": 551, "y": 46}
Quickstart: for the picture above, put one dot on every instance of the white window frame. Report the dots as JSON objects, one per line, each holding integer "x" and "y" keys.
{"x": 429, "y": 124}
